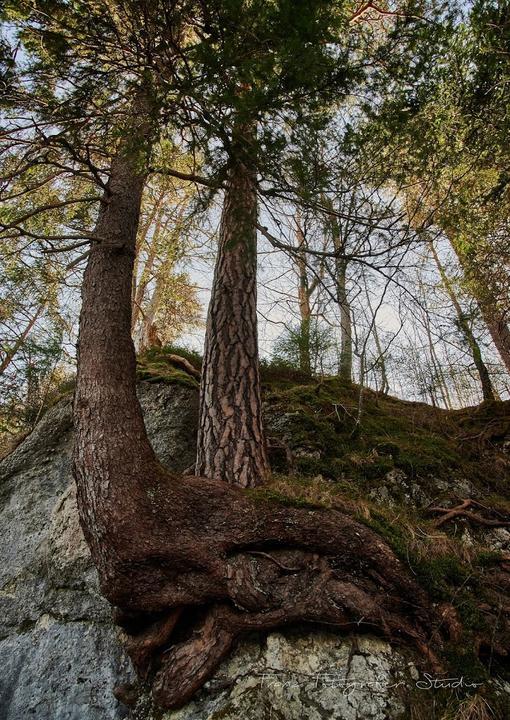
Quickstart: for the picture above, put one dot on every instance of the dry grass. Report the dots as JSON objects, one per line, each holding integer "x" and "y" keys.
{"x": 473, "y": 708}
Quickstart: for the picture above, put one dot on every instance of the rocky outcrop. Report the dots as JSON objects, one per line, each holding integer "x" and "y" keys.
{"x": 59, "y": 651}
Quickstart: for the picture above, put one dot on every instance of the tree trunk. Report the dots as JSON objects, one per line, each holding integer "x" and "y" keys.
{"x": 341, "y": 263}
{"x": 498, "y": 328}
{"x": 145, "y": 278}
{"x": 494, "y": 317}
{"x": 164, "y": 544}
{"x": 476, "y": 353}
{"x": 231, "y": 441}
{"x": 305, "y": 313}
{"x": 381, "y": 362}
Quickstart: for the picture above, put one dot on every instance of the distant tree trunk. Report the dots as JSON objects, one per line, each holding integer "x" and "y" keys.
{"x": 341, "y": 264}
{"x": 381, "y": 362}
{"x": 304, "y": 293}
{"x": 494, "y": 317}
{"x": 231, "y": 441}
{"x": 146, "y": 275}
{"x": 435, "y": 362}
{"x": 476, "y": 353}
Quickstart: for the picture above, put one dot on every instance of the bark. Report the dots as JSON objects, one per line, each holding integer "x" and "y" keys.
{"x": 385, "y": 385}
{"x": 497, "y": 325}
{"x": 140, "y": 290}
{"x": 474, "y": 347}
{"x": 192, "y": 563}
{"x": 231, "y": 441}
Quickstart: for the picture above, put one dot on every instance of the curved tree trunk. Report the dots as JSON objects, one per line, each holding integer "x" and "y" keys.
{"x": 231, "y": 441}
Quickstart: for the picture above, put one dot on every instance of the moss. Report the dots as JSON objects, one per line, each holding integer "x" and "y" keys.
{"x": 274, "y": 496}
{"x": 463, "y": 662}
{"x": 441, "y": 575}
{"x": 390, "y": 531}
{"x": 166, "y": 374}
{"x": 155, "y": 365}
{"x": 488, "y": 558}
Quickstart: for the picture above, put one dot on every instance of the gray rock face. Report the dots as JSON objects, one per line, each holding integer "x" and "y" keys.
{"x": 59, "y": 652}
{"x": 306, "y": 676}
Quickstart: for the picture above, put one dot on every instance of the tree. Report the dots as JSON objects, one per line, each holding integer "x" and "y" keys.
{"x": 465, "y": 328}
{"x": 163, "y": 543}
{"x": 262, "y": 107}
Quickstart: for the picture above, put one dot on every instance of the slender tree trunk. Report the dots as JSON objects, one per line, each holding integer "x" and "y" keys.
{"x": 341, "y": 264}
{"x": 141, "y": 287}
{"x": 305, "y": 313}
{"x": 385, "y": 386}
{"x": 11, "y": 354}
{"x": 436, "y": 364}
{"x": 476, "y": 353}
{"x": 231, "y": 441}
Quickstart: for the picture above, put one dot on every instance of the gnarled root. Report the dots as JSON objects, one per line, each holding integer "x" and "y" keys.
{"x": 204, "y": 563}
{"x": 463, "y": 510}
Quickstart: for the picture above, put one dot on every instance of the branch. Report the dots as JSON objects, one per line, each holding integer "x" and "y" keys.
{"x": 190, "y": 177}
{"x": 361, "y": 11}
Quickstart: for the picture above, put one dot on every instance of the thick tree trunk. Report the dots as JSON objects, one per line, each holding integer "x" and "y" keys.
{"x": 110, "y": 433}
{"x": 474, "y": 347}
{"x": 499, "y": 330}
{"x": 162, "y": 544}
{"x": 495, "y": 318}
{"x": 231, "y": 442}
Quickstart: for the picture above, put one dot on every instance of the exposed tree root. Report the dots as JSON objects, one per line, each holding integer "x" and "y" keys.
{"x": 185, "y": 365}
{"x": 245, "y": 565}
{"x": 463, "y": 511}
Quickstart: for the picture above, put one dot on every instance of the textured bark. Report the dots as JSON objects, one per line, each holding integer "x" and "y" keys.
{"x": 231, "y": 442}
{"x": 495, "y": 318}
{"x": 497, "y": 324}
{"x": 474, "y": 347}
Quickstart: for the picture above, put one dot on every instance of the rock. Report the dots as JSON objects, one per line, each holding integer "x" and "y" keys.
{"x": 497, "y": 539}
{"x": 311, "y": 676}
{"x": 398, "y": 489}
{"x": 59, "y": 651}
